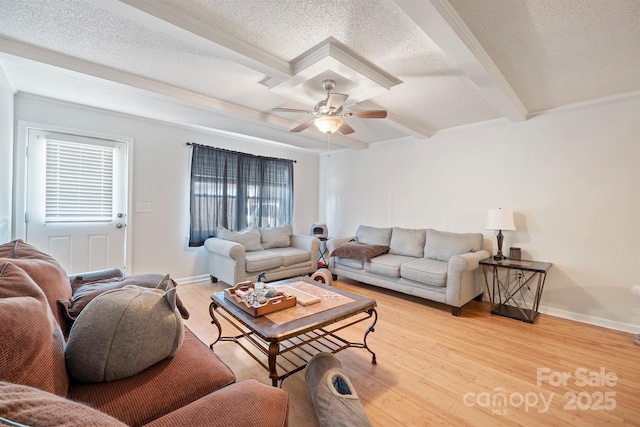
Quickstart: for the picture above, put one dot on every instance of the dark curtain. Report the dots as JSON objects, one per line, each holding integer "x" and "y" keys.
{"x": 237, "y": 190}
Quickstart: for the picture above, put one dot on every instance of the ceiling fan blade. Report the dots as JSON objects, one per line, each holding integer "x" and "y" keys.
{"x": 302, "y": 127}
{"x": 368, "y": 114}
{"x": 336, "y": 100}
{"x": 345, "y": 129}
{"x": 291, "y": 110}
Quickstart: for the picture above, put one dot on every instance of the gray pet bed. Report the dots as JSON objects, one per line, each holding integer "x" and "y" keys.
{"x": 334, "y": 398}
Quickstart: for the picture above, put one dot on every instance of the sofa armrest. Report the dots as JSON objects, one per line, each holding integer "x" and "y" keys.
{"x": 226, "y": 260}
{"x": 92, "y": 276}
{"x": 469, "y": 261}
{"x": 305, "y": 242}
{"x": 331, "y": 245}
{"x": 226, "y": 248}
{"x": 461, "y": 286}
{"x": 337, "y": 241}
{"x": 227, "y": 407}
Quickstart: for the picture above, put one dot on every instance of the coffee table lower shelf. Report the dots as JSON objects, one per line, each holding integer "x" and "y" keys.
{"x": 287, "y": 356}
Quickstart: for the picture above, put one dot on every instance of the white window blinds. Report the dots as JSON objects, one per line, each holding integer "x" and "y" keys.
{"x": 79, "y": 182}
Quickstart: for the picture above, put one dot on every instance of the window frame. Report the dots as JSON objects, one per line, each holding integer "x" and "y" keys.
{"x": 236, "y": 190}
{"x": 78, "y": 191}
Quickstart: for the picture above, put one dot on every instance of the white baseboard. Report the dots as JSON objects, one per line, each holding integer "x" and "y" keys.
{"x": 192, "y": 279}
{"x": 584, "y": 318}
{"x": 591, "y": 320}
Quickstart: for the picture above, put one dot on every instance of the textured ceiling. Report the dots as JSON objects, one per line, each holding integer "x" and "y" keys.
{"x": 556, "y": 53}
{"x": 225, "y": 64}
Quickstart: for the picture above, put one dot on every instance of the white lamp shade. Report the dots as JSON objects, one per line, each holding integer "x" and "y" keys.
{"x": 500, "y": 219}
{"x": 328, "y": 124}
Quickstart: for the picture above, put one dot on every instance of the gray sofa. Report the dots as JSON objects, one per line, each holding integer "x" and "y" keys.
{"x": 238, "y": 256}
{"x": 427, "y": 263}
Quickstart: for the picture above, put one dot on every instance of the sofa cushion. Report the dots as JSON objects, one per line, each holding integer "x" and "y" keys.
{"x": 350, "y": 262}
{"x": 386, "y": 265}
{"x": 123, "y": 332}
{"x": 442, "y": 245}
{"x": 84, "y": 292}
{"x": 292, "y": 256}
{"x": 262, "y": 260}
{"x": 249, "y": 237}
{"x": 34, "y": 407}
{"x": 425, "y": 270}
{"x": 408, "y": 241}
{"x": 276, "y": 237}
{"x": 374, "y": 235}
{"x": 31, "y": 342}
{"x": 45, "y": 271}
{"x": 359, "y": 250}
{"x": 193, "y": 372}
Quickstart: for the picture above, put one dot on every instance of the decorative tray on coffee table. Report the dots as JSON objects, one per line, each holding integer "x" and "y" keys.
{"x": 276, "y": 303}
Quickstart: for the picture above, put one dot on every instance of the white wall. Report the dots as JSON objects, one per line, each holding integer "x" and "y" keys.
{"x": 572, "y": 177}
{"x": 6, "y": 157}
{"x": 160, "y": 176}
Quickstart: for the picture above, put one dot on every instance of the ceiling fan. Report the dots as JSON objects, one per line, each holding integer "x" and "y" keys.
{"x": 329, "y": 113}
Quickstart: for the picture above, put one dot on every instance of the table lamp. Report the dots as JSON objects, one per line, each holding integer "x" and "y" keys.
{"x": 500, "y": 219}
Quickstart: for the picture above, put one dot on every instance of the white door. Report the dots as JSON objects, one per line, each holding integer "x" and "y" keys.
{"x": 76, "y": 200}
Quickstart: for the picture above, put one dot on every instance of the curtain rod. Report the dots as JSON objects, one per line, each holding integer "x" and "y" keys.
{"x": 237, "y": 152}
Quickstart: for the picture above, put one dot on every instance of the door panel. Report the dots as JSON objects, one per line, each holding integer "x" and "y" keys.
{"x": 80, "y": 243}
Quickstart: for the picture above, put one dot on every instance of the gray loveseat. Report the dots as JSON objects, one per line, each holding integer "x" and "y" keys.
{"x": 238, "y": 256}
{"x": 427, "y": 263}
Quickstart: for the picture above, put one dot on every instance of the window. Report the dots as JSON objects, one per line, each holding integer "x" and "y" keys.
{"x": 237, "y": 190}
{"x": 79, "y": 182}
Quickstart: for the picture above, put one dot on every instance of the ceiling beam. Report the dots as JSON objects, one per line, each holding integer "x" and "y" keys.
{"x": 187, "y": 97}
{"x": 67, "y": 62}
{"x": 182, "y": 27}
{"x": 439, "y": 20}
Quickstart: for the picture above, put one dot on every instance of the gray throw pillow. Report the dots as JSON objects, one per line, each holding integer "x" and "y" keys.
{"x": 442, "y": 245}
{"x": 408, "y": 242}
{"x": 122, "y": 332}
{"x": 374, "y": 235}
{"x": 249, "y": 237}
{"x": 276, "y": 237}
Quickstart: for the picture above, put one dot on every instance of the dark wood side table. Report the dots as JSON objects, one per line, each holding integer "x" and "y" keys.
{"x": 517, "y": 293}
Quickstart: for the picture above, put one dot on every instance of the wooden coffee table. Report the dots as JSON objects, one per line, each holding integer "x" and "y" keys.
{"x": 289, "y": 343}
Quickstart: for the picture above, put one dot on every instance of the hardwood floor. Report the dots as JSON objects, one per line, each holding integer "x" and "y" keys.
{"x": 475, "y": 370}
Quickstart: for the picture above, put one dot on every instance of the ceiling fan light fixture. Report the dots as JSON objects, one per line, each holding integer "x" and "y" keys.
{"x": 328, "y": 124}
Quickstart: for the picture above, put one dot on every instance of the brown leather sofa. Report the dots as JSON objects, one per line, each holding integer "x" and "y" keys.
{"x": 192, "y": 388}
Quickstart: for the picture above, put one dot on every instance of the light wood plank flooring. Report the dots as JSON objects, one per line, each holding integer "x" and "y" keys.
{"x": 475, "y": 370}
